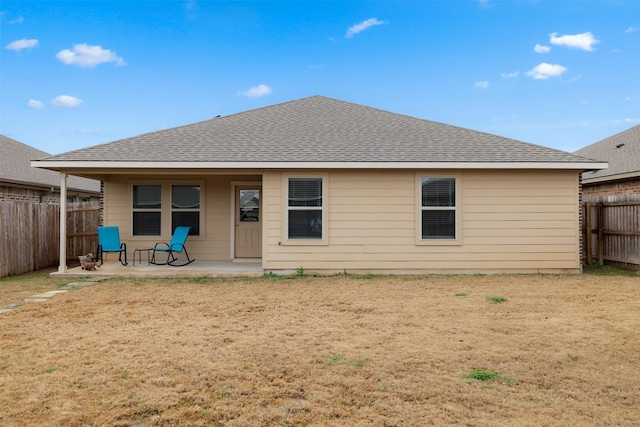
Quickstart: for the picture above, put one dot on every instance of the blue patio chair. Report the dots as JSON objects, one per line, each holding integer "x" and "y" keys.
{"x": 176, "y": 246}
{"x": 109, "y": 241}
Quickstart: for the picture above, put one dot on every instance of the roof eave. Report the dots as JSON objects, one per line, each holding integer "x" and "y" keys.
{"x": 607, "y": 178}
{"x": 59, "y": 165}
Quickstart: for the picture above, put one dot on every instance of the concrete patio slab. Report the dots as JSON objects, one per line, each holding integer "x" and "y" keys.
{"x": 244, "y": 268}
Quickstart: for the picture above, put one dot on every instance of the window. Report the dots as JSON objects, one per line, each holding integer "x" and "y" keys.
{"x": 438, "y": 208}
{"x": 249, "y": 205}
{"x": 147, "y": 210}
{"x": 305, "y": 207}
{"x": 185, "y": 208}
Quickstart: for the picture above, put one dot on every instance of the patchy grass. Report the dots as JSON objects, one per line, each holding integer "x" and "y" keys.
{"x": 16, "y": 288}
{"x": 324, "y": 351}
{"x": 489, "y": 376}
{"x": 497, "y": 299}
{"x": 607, "y": 270}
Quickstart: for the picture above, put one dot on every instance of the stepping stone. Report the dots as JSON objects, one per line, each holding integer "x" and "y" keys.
{"x": 36, "y": 299}
{"x": 4, "y": 310}
{"x": 41, "y": 296}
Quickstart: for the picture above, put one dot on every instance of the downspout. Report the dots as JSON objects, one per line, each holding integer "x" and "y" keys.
{"x": 62, "y": 268}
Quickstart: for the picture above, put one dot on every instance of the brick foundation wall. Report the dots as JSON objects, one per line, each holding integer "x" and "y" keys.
{"x": 618, "y": 188}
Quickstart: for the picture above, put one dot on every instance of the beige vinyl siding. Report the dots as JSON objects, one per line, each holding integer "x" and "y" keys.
{"x": 510, "y": 221}
{"x": 215, "y": 239}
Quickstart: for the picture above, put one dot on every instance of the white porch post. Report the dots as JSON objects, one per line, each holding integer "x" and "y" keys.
{"x": 62, "y": 268}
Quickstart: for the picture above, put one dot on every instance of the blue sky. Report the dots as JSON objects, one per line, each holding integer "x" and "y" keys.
{"x": 562, "y": 74}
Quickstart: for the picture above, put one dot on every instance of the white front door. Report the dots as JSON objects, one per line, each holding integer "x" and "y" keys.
{"x": 248, "y": 222}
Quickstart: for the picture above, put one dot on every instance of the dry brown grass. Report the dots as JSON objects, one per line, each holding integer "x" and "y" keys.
{"x": 326, "y": 351}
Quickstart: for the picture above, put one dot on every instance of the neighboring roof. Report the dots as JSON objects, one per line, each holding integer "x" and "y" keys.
{"x": 315, "y": 132}
{"x": 621, "y": 150}
{"x": 15, "y": 168}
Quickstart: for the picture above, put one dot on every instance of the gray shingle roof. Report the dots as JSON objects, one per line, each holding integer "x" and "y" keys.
{"x": 621, "y": 150}
{"x": 318, "y": 129}
{"x": 15, "y": 168}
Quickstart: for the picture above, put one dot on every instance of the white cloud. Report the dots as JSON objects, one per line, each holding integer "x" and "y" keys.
{"x": 257, "y": 91}
{"x": 18, "y": 45}
{"x": 631, "y": 29}
{"x": 543, "y": 71}
{"x": 510, "y": 75}
{"x": 18, "y": 20}
{"x": 84, "y": 55}
{"x": 584, "y": 41}
{"x": 627, "y": 120}
{"x": 358, "y": 28}
{"x": 485, "y": 4}
{"x": 539, "y": 48}
{"x": 191, "y": 9}
{"x": 482, "y": 85}
{"x": 66, "y": 101}
{"x": 34, "y": 103}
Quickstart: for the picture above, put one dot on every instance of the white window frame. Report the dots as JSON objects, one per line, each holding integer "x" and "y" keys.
{"x": 324, "y": 209}
{"x": 457, "y": 209}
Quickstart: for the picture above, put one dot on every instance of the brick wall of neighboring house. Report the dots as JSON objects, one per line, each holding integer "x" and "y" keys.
{"x": 18, "y": 194}
{"x": 618, "y": 188}
{"x": 32, "y": 195}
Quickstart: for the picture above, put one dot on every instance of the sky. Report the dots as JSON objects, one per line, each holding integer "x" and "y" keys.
{"x": 558, "y": 73}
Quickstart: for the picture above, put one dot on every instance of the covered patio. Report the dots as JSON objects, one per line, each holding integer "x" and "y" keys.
{"x": 113, "y": 268}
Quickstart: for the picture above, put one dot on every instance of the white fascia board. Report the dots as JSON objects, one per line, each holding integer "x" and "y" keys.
{"x": 62, "y": 165}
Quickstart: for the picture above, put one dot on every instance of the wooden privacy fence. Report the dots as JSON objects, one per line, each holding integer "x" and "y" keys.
{"x": 611, "y": 233}
{"x": 82, "y": 230}
{"x": 29, "y": 234}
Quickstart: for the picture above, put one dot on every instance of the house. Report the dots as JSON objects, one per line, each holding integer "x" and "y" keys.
{"x": 330, "y": 186}
{"x": 622, "y": 178}
{"x": 612, "y": 201}
{"x": 20, "y": 182}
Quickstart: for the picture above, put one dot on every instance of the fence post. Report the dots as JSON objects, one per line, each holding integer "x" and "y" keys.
{"x": 600, "y": 233}
{"x": 587, "y": 228}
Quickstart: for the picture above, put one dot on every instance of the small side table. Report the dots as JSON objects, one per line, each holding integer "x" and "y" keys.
{"x": 139, "y": 252}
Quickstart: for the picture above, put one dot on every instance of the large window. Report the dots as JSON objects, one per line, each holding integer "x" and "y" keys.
{"x": 147, "y": 210}
{"x": 438, "y": 208}
{"x": 185, "y": 208}
{"x": 305, "y": 207}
